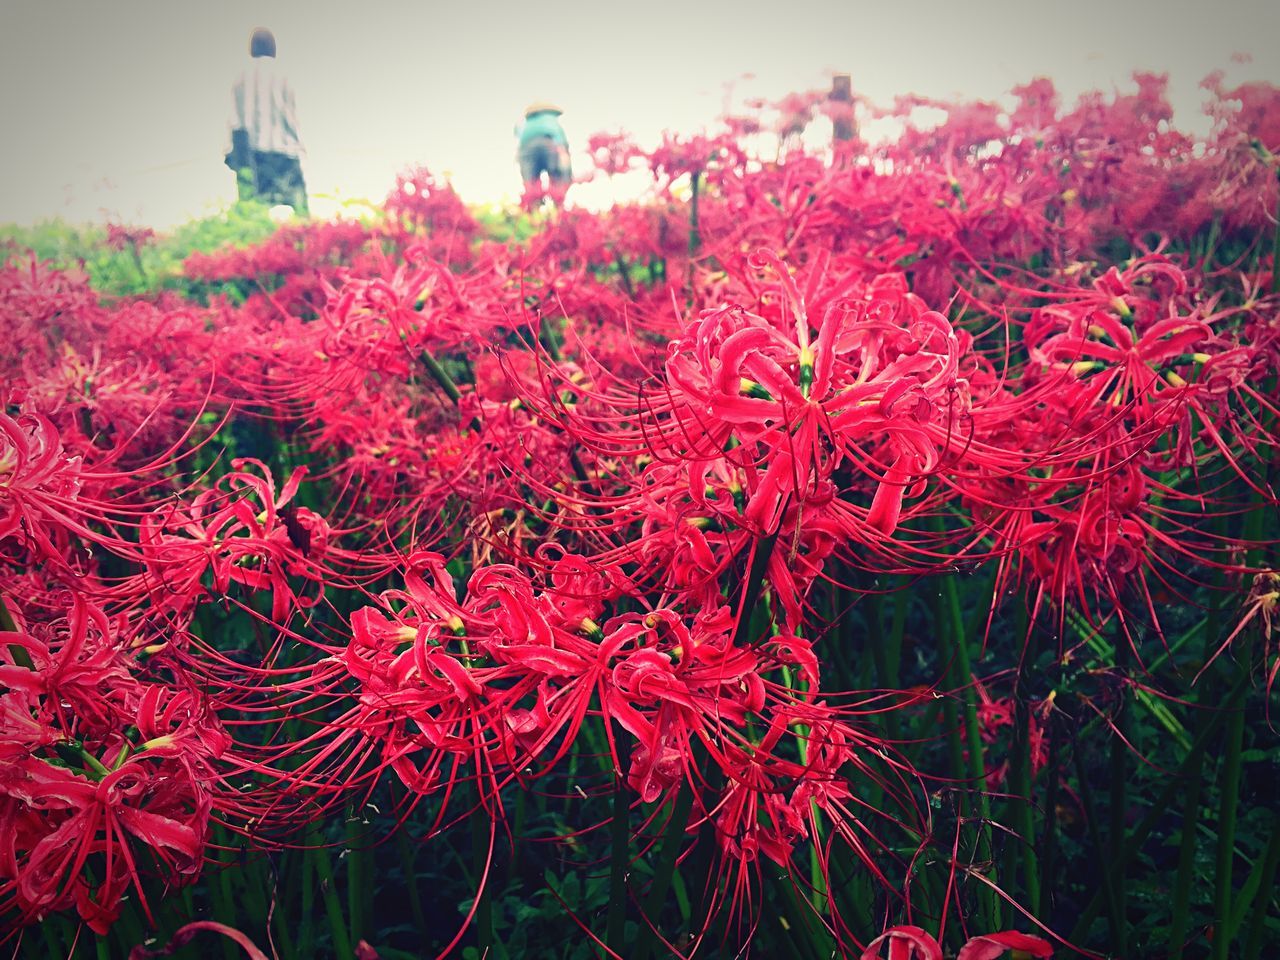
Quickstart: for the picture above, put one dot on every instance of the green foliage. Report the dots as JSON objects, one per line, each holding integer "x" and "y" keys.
{"x": 153, "y": 265}
{"x": 506, "y": 224}
{"x": 156, "y": 263}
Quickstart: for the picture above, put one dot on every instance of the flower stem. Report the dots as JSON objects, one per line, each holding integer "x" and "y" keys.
{"x": 332, "y": 906}
{"x": 1023, "y": 764}
{"x": 695, "y": 238}
{"x": 751, "y": 587}
{"x": 955, "y": 647}
{"x": 410, "y": 876}
{"x": 1275, "y": 247}
{"x": 1160, "y": 806}
{"x": 1119, "y": 802}
{"x": 1181, "y": 916}
{"x": 672, "y": 841}
{"x": 1115, "y": 917}
{"x": 20, "y": 655}
{"x": 1262, "y": 895}
{"x": 355, "y": 880}
{"x": 441, "y": 376}
{"x": 1227, "y": 810}
{"x": 620, "y": 856}
{"x": 480, "y": 821}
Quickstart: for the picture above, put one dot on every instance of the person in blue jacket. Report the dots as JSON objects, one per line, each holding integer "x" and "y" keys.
{"x": 544, "y": 149}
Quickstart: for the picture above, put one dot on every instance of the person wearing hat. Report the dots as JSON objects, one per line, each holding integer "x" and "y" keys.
{"x": 544, "y": 149}
{"x": 265, "y": 150}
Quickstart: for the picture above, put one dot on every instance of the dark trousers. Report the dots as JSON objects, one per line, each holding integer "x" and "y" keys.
{"x": 543, "y": 155}
{"x": 273, "y": 178}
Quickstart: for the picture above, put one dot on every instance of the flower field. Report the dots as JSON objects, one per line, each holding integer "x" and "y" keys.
{"x": 860, "y": 554}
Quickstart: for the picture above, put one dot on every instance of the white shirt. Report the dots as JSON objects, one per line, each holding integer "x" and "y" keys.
{"x": 262, "y": 104}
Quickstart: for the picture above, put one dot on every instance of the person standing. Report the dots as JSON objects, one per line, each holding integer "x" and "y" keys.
{"x": 265, "y": 149}
{"x": 544, "y": 149}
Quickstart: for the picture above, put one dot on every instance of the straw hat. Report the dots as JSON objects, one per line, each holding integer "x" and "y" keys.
{"x": 541, "y": 106}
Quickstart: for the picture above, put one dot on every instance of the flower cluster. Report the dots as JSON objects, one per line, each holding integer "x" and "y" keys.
{"x": 395, "y": 510}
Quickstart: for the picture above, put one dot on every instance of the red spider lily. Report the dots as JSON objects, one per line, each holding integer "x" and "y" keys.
{"x": 247, "y": 534}
{"x": 74, "y": 675}
{"x": 422, "y": 209}
{"x": 87, "y": 809}
{"x": 612, "y": 153}
{"x": 102, "y": 826}
{"x": 913, "y": 943}
{"x": 882, "y": 375}
{"x": 121, "y": 237}
{"x": 597, "y": 482}
{"x": 39, "y": 485}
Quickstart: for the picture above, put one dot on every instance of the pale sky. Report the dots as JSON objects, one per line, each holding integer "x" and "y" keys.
{"x": 118, "y": 108}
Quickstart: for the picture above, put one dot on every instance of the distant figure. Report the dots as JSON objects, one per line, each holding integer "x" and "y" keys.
{"x": 264, "y": 131}
{"x": 544, "y": 149}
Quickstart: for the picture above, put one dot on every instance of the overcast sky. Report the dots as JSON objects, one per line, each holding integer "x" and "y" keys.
{"x": 119, "y": 109}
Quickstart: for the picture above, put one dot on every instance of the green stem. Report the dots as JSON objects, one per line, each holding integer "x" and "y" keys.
{"x": 672, "y": 841}
{"x": 1226, "y": 919}
{"x": 1262, "y": 898}
{"x": 887, "y": 652}
{"x": 21, "y": 657}
{"x": 441, "y": 377}
{"x": 1115, "y": 916}
{"x": 817, "y": 880}
{"x": 1275, "y": 247}
{"x": 1211, "y": 244}
{"x": 137, "y": 262}
{"x": 962, "y": 680}
{"x": 624, "y": 276}
{"x": 620, "y": 855}
{"x": 306, "y": 933}
{"x": 551, "y": 339}
{"x": 410, "y": 877}
{"x": 1263, "y": 867}
{"x": 1228, "y": 807}
{"x": 224, "y": 909}
{"x": 332, "y": 906}
{"x": 751, "y": 590}
{"x": 1181, "y": 916}
{"x": 1160, "y": 806}
{"x": 695, "y": 238}
{"x": 1049, "y": 845}
{"x": 52, "y": 947}
{"x": 280, "y": 916}
{"x": 1025, "y": 818}
{"x": 1022, "y": 854}
{"x": 480, "y": 823}
{"x": 815, "y": 935}
{"x": 355, "y": 878}
{"x": 1119, "y": 774}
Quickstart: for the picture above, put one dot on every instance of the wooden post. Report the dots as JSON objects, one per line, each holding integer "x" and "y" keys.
{"x": 842, "y": 118}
